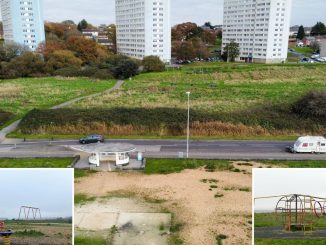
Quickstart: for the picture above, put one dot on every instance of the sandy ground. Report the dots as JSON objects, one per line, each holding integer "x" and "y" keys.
{"x": 203, "y": 215}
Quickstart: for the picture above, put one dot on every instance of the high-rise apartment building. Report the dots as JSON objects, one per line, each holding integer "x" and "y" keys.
{"x": 23, "y": 22}
{"x": 260, "y": 27}
{"x": 143, "y": 28}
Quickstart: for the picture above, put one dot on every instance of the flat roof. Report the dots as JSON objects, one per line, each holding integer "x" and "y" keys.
{"x": 105, "y": 148}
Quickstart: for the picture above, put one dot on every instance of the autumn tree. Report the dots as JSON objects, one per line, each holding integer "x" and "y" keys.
{"x": 186, "y": 51}
{"x": 87, "y": 50}
{"x": 62, "y": 59}
{"x": 50, "y": 46}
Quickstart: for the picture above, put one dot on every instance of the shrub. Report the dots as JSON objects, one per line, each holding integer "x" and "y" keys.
{"x": 153, "y": 64}
{"x": 61, "y": 59}
{"x": 27, "y": 65}
{"x": 311, "y": 105}
{"x": 126, "y": 68}
{"x": 68, "y": 72}
{"x": 8, "y": 51}
{"x": 103, "y": 74}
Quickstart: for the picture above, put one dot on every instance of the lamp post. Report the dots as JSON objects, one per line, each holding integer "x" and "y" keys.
{"x": 188, "y": 124}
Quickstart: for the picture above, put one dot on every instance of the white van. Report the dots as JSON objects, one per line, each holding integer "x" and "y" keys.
{"x": 309, "y": 144}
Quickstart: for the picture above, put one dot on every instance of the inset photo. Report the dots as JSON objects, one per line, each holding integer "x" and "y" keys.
{"x": 289, "y": 206}
{"x": 36, "y": 206}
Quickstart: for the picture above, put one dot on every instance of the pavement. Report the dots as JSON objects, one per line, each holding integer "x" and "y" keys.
{"x": 279, "y": 233}
{"x": 216, "y": 149}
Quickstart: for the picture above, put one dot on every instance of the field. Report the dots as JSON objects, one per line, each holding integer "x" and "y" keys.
{"x": 45, "y": 232}
{"x": 18, "y": 96}
{"x": 35, "y": 162}
{"x": 288, "y": 242}
{"x": 228, "y": 101}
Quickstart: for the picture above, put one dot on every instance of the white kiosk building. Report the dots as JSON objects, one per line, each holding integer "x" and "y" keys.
{"x": 116, "y": 154}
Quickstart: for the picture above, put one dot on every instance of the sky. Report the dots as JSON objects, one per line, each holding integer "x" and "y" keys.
{"x": 48, "y": 189}
{"x": 198, "y": 11}
{"x": 274, "y": 182}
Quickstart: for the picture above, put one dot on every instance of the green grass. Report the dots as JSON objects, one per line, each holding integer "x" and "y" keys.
{"x": 307, "y": 51}
{"x": 80, "y": 173}
{"x": 90, "y": 241}
{"x": 167, "y": 166}
{"x": 28, "y": 233}
{"x": 18, "y": 96}
{"x": 271, "y": 220}
{"x": 297, "y": 164}
{"x": 35, "y": 162}
{"x": 288, "y": 242}
{"x": 83, "y": 199}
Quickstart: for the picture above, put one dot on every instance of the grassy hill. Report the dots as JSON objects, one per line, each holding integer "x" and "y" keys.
{"x": 227, "y": 101}
{"x": 18, "y": 96}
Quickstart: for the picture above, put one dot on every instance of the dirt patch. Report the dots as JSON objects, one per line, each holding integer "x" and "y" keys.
{"x": 203, "y": 215}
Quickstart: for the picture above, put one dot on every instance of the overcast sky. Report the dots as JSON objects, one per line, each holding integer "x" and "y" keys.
{"x": 274, "y": 182}
{"x": 199, "y": 11}
{"x": 47, "y": 189}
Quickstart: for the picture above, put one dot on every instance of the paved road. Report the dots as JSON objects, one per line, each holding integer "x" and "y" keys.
{"x": 244, "y": 150}
{"x": 12, "y": 127}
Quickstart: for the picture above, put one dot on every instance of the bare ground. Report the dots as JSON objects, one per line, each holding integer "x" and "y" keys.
{"x": 203, "y": 216}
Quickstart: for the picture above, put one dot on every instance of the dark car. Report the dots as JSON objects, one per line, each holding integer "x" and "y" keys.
{"x": 95, "y": 138}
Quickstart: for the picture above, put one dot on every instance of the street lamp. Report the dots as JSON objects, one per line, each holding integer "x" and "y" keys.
{"x": 188, "y": 124}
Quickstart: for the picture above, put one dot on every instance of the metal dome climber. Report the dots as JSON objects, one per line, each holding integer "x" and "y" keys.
{"x": 299, "y": 212}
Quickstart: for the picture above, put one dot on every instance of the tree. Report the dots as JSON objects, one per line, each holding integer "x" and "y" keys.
{"x": 8, "y": 51}
{"x": 112, "y": 35}
{"x": 153, "y": 64}
{"x": 56, "y": 29}
{"x": 315, "y": 46}
{"x": 62, "y": 59}
{"x": 126, "y": 68}
{"x": 50, "y": 46}
{"x": 82, "y": 25}
{"x": 87, "y": 50}
{"x": 200, "y": 49}
{"x": 209, "y": 37}
{"x": 232, "y": 51}
{"x": 208, "y": 24}
{"x": 318, "y": 29}
{"x": 27, "y": 65}
{"x": 301, "y": 33}
{"x": 185, "y": 51}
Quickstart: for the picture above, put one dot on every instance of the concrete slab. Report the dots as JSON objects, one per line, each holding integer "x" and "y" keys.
{"x": 95, "y": 221}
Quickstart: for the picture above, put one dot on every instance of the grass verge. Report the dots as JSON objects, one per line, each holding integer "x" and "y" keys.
{"x": 35, "y": 162}
{"x": 90, "y": 240}
{"x": 167, "y": 166}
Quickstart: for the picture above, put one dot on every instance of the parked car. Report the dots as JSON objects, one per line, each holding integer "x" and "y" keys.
{"x": 307, "y": 60}
{"x": 308, "y": 144}
{"x": 315, "y": 56}
{"x": 95, "y": 138}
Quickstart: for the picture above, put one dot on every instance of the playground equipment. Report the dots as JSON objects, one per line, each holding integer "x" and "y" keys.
{"x": 29, "y": 213}
{"x": 5, "y": 234}
{"x": 299, "y": 212}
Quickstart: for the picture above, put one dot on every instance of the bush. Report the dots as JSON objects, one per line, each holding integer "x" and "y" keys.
{"x": 153, "y": 64}
{"x": 103, "y": 74}
{"x": 125, "y": 68}
{"x": 311, "y": 105}
{"x": 27, "y": 65}
{"x": 68, "y": 72}
{"x": 8, "y": 51}
{"x": 61, "y": 59}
